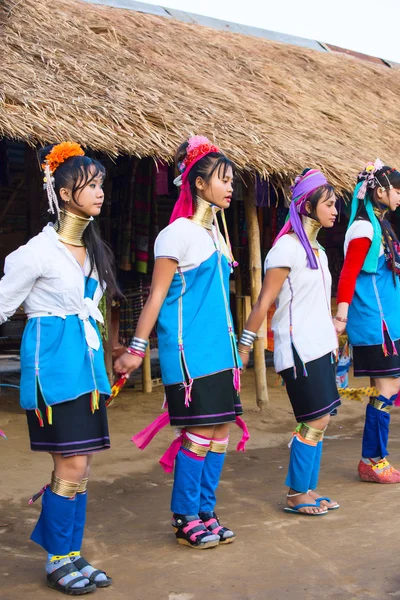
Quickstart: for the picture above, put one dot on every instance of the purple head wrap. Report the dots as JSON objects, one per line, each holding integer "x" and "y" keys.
{"x": 301, "y": 191}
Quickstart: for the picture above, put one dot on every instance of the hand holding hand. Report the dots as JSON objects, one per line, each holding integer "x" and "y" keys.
{"x": 127, "y": 363}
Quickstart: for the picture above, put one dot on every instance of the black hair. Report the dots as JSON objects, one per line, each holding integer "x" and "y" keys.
{"x": 385, "y": 177}
{"x": 323, "y": 191}
{"x": 76, "y": 173}
{"x": 204, "y": 168}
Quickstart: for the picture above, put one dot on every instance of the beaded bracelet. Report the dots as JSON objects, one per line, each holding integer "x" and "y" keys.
{"x": 341, "y": 319}
{"x": 135, "y": 352}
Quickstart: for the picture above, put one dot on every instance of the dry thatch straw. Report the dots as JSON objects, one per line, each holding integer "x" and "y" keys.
{"x": 123, "y": 82}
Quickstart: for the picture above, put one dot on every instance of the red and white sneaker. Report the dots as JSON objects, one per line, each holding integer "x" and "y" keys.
{"x": 378, "y": 472}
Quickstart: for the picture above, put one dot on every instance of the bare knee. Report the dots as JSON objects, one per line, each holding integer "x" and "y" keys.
{"x": 321, "y": 423}
{"x": 388, "y": 386}
{"x": 73, "y": 468}
{"x": 222, "y": 431}
{"x": 205, "y": 431}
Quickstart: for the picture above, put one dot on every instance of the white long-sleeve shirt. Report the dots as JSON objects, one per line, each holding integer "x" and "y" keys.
{"x": 45, "y": 277}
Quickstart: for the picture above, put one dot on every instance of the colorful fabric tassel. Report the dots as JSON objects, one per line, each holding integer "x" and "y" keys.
{"x": 2, "y": 434}
{"x": 49, "y": 415}
{"x": 94, "y": 400}
{"x": 116, "y": 388}
{"x": 38, "y": 413}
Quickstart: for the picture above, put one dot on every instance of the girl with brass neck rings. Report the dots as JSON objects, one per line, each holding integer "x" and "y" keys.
{"x": 198, "y": 355}
{"x": 297, "y": 278}
{"x": 60, "y": 276}
{"x": 369, "y": 307}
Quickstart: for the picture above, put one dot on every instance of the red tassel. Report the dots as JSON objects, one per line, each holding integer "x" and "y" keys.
{"x": 38, "y": 413}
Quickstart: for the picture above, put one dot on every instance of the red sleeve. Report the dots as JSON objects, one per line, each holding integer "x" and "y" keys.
{"x": 355, "y": 257}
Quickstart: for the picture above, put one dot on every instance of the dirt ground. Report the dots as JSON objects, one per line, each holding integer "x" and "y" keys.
{"x": 352, "y": 553}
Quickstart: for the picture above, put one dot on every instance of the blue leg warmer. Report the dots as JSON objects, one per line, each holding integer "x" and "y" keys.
{"x": 316, "y": 467}
{"x": 79, "y": 522}
{"x": 55, "y": 526}
{"x": 187, "y": 482}
{"x": 212, "y": 470}
{"x": 376, "y": 429}
{"x": 301, "y": 464}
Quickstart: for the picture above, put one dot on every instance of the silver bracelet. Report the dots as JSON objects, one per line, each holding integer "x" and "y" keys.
{"x": 138, "y": 344}
{"x": 247, "y": 338}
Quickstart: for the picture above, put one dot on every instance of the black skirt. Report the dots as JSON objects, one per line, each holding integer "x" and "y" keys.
{"x": 370, "y": 361}
{"x": 314, "y": 394}
{"x": 75, "y": 430}
{"x": 214, "y": 401}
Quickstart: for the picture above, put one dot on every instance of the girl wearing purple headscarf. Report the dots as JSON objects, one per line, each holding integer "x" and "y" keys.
{"x": 297, "y": 278}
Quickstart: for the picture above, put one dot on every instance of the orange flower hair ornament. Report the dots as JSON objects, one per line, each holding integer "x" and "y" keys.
{"x": 57, "y": 155}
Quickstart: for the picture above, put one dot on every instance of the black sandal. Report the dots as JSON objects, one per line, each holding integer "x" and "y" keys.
{"x": 191, "y": 531}
{"x": 81, "y": 563}
{"x": 54, "y": 577}
{"x": 211, "y": 521}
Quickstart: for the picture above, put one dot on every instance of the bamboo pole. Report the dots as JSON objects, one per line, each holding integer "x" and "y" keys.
{"x": 253, "y": 230}
{"x": 146, "y": 372}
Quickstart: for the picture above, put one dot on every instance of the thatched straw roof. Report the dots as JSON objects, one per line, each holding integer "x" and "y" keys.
{"x": 123, "y": 82}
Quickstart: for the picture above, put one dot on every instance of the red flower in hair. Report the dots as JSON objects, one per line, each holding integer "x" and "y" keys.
{"x": 198, "y": 145}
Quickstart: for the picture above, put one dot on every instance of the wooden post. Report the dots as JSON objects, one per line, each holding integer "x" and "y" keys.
{"x": 253, "y": 230}
{"x": 146, "y": 372}
{"x": 238, "y": 272}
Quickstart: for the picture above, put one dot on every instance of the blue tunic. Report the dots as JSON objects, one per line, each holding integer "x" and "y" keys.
{"x": 56, "y": 357}
{"x": 195, "y": 332}
{"x": 375, "y": 305}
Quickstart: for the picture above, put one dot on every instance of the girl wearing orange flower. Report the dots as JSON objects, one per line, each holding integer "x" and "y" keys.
{"x": 60, "y": 276}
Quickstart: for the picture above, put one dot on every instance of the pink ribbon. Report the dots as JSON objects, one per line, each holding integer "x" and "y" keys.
{"x": 184, "y": 205}
{"x": 168, "y": 458}
{"x": 144, "y": 437}
{"x": 241, "y": 447}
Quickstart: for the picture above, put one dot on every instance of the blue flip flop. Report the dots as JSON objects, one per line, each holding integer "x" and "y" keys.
{"x": 328, "y": 500}
{"x": 295, "y": 509}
